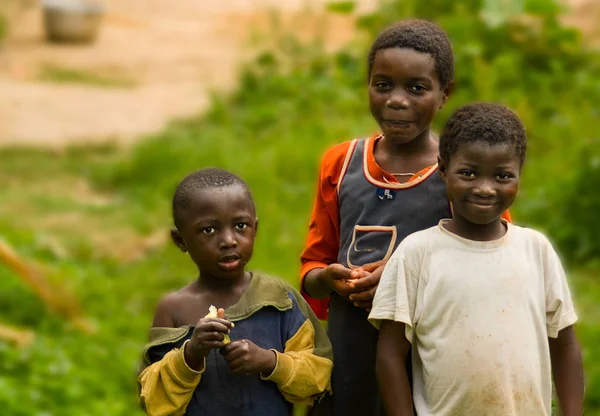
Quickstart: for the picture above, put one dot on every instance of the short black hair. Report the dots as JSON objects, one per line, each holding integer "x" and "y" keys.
{"x": 209, "y": 178}
{"x": 483, "y": 122}
{"x": 422, "y": 36}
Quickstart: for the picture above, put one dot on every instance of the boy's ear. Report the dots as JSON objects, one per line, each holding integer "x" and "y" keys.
{"x": 446, "y": 92}
{"x": 178, "y": 239}
{"x": 255, "y": 225}
{"x": 442, "y": 168}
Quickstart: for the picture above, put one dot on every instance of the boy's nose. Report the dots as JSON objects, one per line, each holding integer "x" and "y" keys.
{"x": 228, "y": 239}
{"x": 484, "y": 188}
{"x": 398, "y": 100}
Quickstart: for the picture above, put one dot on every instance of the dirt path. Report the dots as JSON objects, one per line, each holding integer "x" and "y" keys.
{"x": 171, "y": 52}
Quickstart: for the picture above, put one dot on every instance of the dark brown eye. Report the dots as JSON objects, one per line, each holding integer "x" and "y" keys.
{"x": 382, "y": 86}
{"x": 418, "y": 89}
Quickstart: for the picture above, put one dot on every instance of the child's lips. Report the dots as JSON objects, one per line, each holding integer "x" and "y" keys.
{"x": 484, "y": 205}
{"x": 230, "y": 265}
{"x": 230, "y": 262}
{"x": 398, "y": 124}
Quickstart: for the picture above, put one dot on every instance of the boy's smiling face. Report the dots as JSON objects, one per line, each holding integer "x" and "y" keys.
{"x": 217, "y": 229}
{"x": 404, "y": 93}
{"x": 482, "y": 181}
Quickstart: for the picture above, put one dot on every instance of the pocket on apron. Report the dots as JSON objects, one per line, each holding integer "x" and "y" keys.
{"x": 371, "y": 243}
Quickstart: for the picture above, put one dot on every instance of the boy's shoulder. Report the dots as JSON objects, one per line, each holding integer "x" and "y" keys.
{"x": 334, "y": 160}
{"x": 432, "y": 235}
{"x": 335, "y": 155}
{"x": 420, "y": 240}
{"x": 273, "y": 287}
{"x": 276, "y": 290}
{"x": 171, "y": 302}
{"x": 264, "y": 289}
{"x": 182, "y": 294}
{"x": 265, "y": 281}
{"x": 530, "y": 236}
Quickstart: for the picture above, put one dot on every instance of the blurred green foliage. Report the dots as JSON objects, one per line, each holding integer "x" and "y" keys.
{"x": 3, "y": 28}
{"x": 293, "y": 101}
{"x": 63, "y": 75}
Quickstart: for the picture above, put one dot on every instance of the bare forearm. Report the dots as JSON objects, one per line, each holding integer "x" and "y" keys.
{"x": 394, "y": 387}
{"x": 315, "y": 286}
{"x": 392, "y": 351}
{"x": 567, "y": 369}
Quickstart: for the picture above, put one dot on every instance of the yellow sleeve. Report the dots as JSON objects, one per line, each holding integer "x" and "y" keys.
{"x": 303, "y": 370}
{"x": 167, "y": 385}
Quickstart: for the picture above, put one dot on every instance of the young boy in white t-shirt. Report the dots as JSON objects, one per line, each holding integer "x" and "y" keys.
{"x": 484, "y": 303}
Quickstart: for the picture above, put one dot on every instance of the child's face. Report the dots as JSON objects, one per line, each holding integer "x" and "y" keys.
{"x": 218, "y": 230}
{"x": 404, "y": 93}
{"x": 482, "y": 181}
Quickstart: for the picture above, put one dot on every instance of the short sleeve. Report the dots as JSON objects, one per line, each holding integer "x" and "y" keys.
{"x": 396, "y": 296}
{"x": 560, "y": 312}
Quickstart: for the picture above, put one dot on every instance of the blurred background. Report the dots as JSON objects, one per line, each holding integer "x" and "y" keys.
{"x": 105, "y": 106}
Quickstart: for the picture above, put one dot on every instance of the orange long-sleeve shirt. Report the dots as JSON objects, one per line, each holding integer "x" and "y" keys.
{"x": 323, "y": 241}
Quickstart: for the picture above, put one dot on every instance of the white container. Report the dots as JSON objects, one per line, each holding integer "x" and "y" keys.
{"x": 74, "y": 21}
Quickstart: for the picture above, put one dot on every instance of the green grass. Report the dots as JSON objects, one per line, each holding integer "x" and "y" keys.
{"x": 70, "y": 373}
{"x": 63, "y": 75}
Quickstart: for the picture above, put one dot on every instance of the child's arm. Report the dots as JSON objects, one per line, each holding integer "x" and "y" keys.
{"x": 394, "y": 314}
{"x": 302, "y": 371}
{"x": 392, "y": 351}
{"x": 167, "y": 386}
{"x": 320, "y": 282}
{"x": 300, "y": 374}
{"x": 322, "y": 242}
{"x": 565, "y": 354}
{"x": 567, "y": 369}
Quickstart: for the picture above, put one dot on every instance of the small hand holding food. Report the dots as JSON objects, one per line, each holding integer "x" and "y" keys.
{"x": 210, "y": 332}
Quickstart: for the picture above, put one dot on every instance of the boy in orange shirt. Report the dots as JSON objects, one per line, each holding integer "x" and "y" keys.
{"x": 372, "y": 194}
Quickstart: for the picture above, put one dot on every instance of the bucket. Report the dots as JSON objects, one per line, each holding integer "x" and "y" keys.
{"x": 72, "y": 21}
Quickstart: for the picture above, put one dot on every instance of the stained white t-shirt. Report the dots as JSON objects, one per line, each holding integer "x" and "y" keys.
{"x": 478, "y": 315}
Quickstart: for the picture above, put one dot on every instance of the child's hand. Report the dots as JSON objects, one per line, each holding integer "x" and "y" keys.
{"x": 245, "y": 357}
{"x": 208, "y": 334}
{"x": 366, "y": 286}
{"x": 371, "y": 267}
{"x": 339, "y": 279}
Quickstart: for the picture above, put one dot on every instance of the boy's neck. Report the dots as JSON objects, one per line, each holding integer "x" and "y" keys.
{"x": 409, "y": 157}
{"x": 476, "y": 232}
{"x": 209, "y": 283}
{"x": 423, "y": 144}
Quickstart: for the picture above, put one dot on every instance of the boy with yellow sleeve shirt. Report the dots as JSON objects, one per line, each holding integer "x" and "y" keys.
{"x": 278, "y": 354}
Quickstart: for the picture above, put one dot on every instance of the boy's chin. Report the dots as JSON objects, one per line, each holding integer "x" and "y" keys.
{"x": 482, "y": 220}
{"x": 399, "y": 137}
{"x": 218, "y": 273}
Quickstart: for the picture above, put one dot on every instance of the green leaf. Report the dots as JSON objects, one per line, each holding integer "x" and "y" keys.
{"x": 341, "y": 7}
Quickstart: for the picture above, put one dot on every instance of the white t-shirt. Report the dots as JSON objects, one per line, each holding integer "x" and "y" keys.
{"x": 478, "y": 315}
